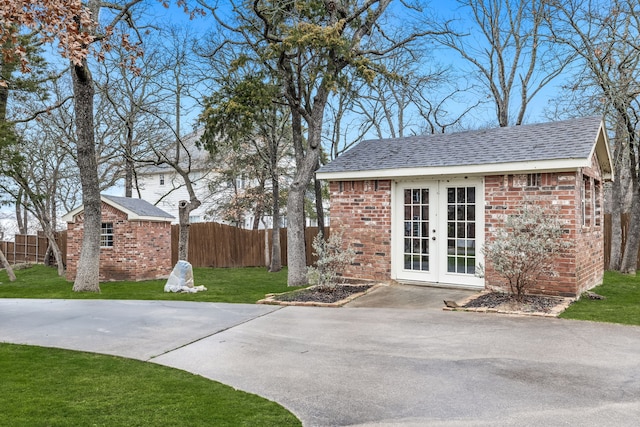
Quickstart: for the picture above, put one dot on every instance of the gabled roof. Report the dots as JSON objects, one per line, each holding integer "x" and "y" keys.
{"x": 555, "y": 146}
{"x": 136, "y": 209}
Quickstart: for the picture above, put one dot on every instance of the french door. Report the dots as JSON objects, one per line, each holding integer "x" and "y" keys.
{"x": 438, "y": 231}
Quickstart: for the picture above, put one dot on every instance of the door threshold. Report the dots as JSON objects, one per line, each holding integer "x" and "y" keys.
{"x": 439, "y": 285}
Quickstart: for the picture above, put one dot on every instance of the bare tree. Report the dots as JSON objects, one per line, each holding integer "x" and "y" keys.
{"x": 508, "y": 49}
{"x": 308, "y": 46}
{"x": 245, "y": 120}
{"x": 603, "y": 37}
{"x": 139, "y": 101}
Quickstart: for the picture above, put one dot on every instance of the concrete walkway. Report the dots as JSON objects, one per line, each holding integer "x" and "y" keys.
{"x": 365, "y": 366}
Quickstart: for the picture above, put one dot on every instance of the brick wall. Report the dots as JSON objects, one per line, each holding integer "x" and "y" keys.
{"x": 579, "y": 267}
{"x": 590, "y": 236}
{"x": 362, "y": 211}
{"x": 141, "y": 249}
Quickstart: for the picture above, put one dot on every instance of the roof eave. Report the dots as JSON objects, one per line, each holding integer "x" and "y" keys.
{"x": 603, "y": 153}
{"x": 131, "y": 216}
{"x": 558, "y": 165}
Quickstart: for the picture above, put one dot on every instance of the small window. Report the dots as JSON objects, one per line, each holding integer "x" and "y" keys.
{"x": 587, "y": 201}
{"x": 597, "y": 208}
{"x": 534, "y": 180}
{"x": 161, "y": 179}
{"x": 106, "y": 235}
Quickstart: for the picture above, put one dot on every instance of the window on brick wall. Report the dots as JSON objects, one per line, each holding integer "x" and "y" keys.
{"x": 597, "y": 208}
{"x": 534, "y": 180}
{"x": 587, "y": 201}
{"x": 106, "y": 235}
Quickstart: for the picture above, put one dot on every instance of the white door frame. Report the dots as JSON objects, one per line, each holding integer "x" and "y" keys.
{"x": 447, "y": 250}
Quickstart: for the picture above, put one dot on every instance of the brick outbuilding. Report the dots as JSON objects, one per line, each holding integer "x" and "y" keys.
{"x": 135, "y": 241}
{"x": 419, "y": 209}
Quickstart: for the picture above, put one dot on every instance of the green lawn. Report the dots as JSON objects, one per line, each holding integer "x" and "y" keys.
{"x": 622, "y": 303}
{"x": 234, "y": 285}
{"x": 51, "y": 387}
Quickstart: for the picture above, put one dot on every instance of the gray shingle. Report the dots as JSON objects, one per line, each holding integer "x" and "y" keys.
{"x": 139, "y": 207}
{"x": 569, "y": 139}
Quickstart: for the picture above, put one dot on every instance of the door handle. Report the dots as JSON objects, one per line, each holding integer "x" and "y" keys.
{"x": 433, "y": 238}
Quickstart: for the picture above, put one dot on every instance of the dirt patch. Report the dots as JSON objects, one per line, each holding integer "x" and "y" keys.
{"x": 334, "y": 296}
{"x": 504, "y": 303}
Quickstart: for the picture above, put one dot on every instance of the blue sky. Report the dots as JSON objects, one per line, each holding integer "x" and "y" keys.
{"x": 441, "y": 8}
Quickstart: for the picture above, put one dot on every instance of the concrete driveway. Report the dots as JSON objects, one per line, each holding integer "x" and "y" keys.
{"x": 365, "y": 366}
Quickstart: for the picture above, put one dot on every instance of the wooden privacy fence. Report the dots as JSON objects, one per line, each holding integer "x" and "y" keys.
{"x": 217, "y": 245}
{"x": 31, "y": 247}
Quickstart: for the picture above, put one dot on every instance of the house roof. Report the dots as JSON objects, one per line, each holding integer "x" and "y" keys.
{"x": 555, "y": 146}
{"x": 136, "y": 209}
{"x": 200, "y": 158}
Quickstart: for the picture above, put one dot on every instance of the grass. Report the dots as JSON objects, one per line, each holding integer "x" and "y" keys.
{"x": 233, "y": 285}
{"x": 51, "y": 387}
{"x": 622, "y": 303}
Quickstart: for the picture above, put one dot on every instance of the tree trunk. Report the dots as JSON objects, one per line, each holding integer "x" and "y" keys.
{"x": 128, "y": 162}
{"x": 267, "y": 255}
{"x": 276, "y": 261}
{"x": 57, "y": 253}
{"x": 21, "y": 216}
{"x": 319, "y": 207}
{"x": 296, "y": 249}
{"x": 615, "y": 253}
{"x": 87, "y": 276}
{"x": 629, "y": 264}
{"x": 7, "y": 266}
{"x": 183, "y": 235}
{"x": 617, "y": 190}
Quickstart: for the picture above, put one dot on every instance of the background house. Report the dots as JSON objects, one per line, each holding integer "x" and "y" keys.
{"x": 135, "y": 243}
{"x": 419, "y": 209}
{"x": 228, "y": 186}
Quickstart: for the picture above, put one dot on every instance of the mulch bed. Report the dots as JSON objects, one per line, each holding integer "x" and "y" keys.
{"x": 323, "y": 295}
{"x": 505, "y": 302}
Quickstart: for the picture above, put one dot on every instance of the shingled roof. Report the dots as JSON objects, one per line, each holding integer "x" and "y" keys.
{"x": 558, "y": 145}
{"x": 136, "y": 209}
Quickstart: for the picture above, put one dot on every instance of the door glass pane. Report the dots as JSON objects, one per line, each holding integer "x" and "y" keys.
{"x": 471, "y": 194}
{"x": 471, "y": 212}
{"x": 416, "y": 212}
{"x": 471, "y": 265}
{"x": 451, "y": 229}
{"x": 425, "y": 263}
{"x": 471, "y": 230}
{"x": 461, "y": 230}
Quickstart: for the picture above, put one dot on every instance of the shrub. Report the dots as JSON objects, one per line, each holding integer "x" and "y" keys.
{"x": 525, "y": 247}
{"x": 332, "y": 260}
